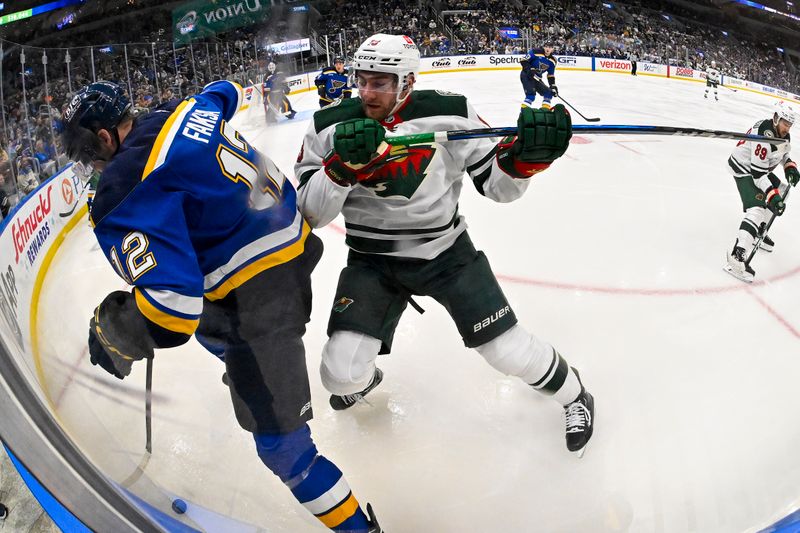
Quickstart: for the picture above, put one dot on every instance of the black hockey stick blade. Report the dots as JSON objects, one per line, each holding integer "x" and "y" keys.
{"x": 593, "y": 119}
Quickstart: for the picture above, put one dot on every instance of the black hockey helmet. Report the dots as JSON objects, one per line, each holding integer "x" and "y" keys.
{"x": 548, "y": 44}
{"x": 99, "y": 106}
{"x": 338, "y": 59}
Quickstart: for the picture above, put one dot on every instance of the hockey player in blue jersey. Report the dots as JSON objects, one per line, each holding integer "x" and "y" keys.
{"x": 274, "y": 90}
{"x": 207, "y": 231}
{"x": 535, "y": 64}
{"x": 333, "y": 83}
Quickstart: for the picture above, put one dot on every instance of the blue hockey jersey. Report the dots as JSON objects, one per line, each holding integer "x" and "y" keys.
{"x": 538, "y": 64}
{"x": 332, "y": 85}
{"x": 188, "y": 209}
{"x": 274, "y": 84}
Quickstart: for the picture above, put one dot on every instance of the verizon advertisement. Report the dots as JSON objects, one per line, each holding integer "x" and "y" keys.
{"x": 26, "y": 236}
{"x": 612, "y": 65}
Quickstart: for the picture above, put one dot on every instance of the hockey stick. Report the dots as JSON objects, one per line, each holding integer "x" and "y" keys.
{"x": 148, "y": 406}
{"x": 595, "y": 119}
{"x": 763, "y": 234}
{"x": 148, "y": 426}
{"x": 607, "y": 129}
{"x": 730, "y": 89}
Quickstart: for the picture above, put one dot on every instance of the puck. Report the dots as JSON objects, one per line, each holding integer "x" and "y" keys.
{"x": 179, "y": 506}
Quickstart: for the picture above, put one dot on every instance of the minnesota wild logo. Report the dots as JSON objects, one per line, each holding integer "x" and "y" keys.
{"x": 403, "y": 172}
{"x": 342, "y": 304}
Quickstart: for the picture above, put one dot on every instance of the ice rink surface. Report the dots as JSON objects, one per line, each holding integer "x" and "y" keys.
{"x": 614, "y": 255}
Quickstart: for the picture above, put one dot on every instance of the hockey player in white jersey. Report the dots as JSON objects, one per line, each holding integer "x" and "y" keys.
{"x": 406, "y": 237}
{"x": 761, "y": 191}
{"x": 712, "y": 80}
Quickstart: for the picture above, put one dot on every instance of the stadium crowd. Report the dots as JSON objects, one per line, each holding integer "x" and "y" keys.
{"x": 155, "y": 70}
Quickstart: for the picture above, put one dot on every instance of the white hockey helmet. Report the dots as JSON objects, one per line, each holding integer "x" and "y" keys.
{"x": 785, "y": 111}
{"x": 393, "y": 54}
{"x": 713, "y": 64}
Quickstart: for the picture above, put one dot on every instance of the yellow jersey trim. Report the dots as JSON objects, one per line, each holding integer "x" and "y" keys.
{"x": 162, "y": 137}
{"x": 166, "y": 321}
{"x": 278, "y": 258}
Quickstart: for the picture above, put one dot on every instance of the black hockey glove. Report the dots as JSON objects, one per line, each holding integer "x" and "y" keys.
{"x": 554, "y": 90}
{"x": 117, "y": 335}
{"x": 791, "y": 173}
{"x": 775, "y": 202}
{"x": 358, "y": 151}
{"x": 542, "y": 135}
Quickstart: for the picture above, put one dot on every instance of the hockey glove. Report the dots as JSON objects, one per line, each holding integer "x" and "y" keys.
{"x": 358, "y": 151}
{"x": 554, "y": 90}
{"x": 791, "y": 173}
{"x": 117, "y": 337}
{"x": 775, "y": 202}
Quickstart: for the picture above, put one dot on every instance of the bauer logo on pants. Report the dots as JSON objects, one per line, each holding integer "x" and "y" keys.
{"x": 489, "y": 320}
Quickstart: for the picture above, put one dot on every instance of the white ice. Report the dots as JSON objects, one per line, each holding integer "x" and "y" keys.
{"x": 614, "y": 255}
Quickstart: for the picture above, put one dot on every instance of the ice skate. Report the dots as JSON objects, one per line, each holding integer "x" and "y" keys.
{"x": 374, "y": 526}
{"x": 736, "y": 266}
{"x": 767, "y": 244}
{"x": 348, "y": 400}
{"x": 580, "y": 421}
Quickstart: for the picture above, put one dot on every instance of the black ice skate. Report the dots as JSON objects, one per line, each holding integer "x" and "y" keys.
{"x": 767, "y": 244}
{"x": 348, "y": 400}
{"x": 580, "y": 421}
{"x": 374, "y": 526}
{"x": 736, "y": 266}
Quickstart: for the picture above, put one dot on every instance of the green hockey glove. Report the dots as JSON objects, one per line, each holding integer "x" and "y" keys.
{"x": 775, "y": 202}
{"x": 358, "y": 151}
{"x": 791, "y": 173}
{"x": 542, "y": 135}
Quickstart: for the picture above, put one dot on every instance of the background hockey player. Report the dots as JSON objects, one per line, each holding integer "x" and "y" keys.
{"x": 712, "y": 80}
{"x": 406, "y": 237}
{"x": 761, "y": 191}
{"x": 207, "y": 231}
{"x": 275, "y": 91}
{"x": 536, "y": 64}
{"x": 332, "y": 83}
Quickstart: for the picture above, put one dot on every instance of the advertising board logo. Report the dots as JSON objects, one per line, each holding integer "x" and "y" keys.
{"x": 504, "y": 60}
{"x": 442, "y": 62}
{"x": 649, "y": 67}
{"x": 769, "y": 90}
{"x": 67, "y": 191}
{"x": 614, "y": 64}
{"x": 295, "y": 82}
{"x": 567, "y": 60}
{"x": 24, "y": 229}
{"x": 187, "y": 23}
{"x": 683, "y": 71}
{"x": 467, "y": 61}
